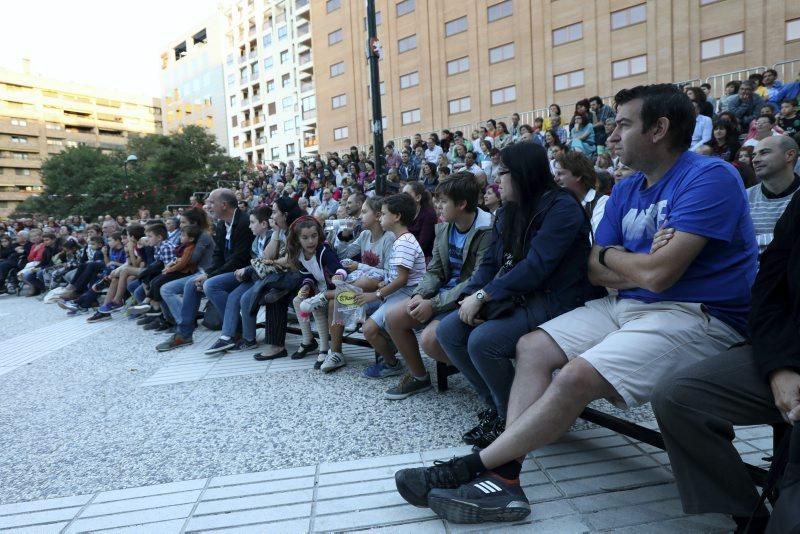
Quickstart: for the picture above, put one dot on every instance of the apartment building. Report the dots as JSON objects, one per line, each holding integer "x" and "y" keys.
{"x": 40, "y": 117}
{"x": 269, "y": 80}
{"x": 193, "y": 79}
{"x": 452, "y": 64}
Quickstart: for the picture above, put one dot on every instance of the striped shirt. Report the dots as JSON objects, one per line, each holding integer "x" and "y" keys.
{"x": 407, "y": 253}
{"x": 766, "y": 210}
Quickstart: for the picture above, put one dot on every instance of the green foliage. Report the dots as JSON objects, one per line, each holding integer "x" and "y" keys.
{"x": 84, "y": 181}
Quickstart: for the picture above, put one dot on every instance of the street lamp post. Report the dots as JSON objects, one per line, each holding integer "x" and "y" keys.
{"x": 374, "y": 54}
{"x": 132, "y": 159}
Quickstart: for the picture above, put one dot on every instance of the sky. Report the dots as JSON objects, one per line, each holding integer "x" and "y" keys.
{"x": 108, "y": 44}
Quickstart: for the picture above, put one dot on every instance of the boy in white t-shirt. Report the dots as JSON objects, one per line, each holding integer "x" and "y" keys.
{"x": 406, "y": 269}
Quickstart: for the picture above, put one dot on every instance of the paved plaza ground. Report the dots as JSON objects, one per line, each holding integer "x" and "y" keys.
{"x": 100, "y": 432}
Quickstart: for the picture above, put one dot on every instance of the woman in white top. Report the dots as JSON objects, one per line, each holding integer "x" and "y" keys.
{"x": 574, "y": 171}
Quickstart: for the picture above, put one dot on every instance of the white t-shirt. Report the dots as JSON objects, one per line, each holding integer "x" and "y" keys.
{"x": 312, "y": 266}
{"x": 407, "y": 253}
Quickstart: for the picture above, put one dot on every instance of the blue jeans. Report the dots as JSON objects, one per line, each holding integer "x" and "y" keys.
{"x": 483, "y": 353}
{"x": 248, "y": 320}
{"x": 183, "y": 300}
{"x": 226, "y": 292}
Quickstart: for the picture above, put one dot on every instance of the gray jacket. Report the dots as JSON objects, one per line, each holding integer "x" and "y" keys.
{"x": 438, "y": 274}
{"x": 745, "y": 111}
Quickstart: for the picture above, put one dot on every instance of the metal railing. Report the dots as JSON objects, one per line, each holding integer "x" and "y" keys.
{"x": 788, "y": 70}
{"x": 718, "y": 81}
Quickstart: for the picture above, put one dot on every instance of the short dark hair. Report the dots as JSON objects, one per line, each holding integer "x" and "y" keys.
{"x": 771, "y": 71}
{"x": 596, "y": 99}
{"x": 663, "y": 100}
{"x": 443, "y": 170}
{"x": 192, "y": 231}
{"x": 262, "y": 213}
{"x": 403, "y": 205}
{"x": 96, "y": 239}
{"x": 49, "y": 235}
{"x": 792, "y": 102}
{"x": 771, "y": 118}
{"x": 116, "y": 236}
{"x": 157, "y": 229}
{"x": 705, "y": 86}
{"x": 461, "y": 187}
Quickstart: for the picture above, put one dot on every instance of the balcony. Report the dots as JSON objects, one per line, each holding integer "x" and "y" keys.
{"x": 261, "y": 140}
{"x": 242, "y": 59}
{"x": 306, "y": 87}
{"x": 260, "y": 119}
{"x": 244, "y": 102}
{"x": 252, "y": 54}
{"x": 310, "y": 115}
{"x": 245, "y": 79}
{"x": 245, "y": 123}
{"x": 256, "y": 98}
{"x": 304, "y": 59}
{"x": 247, "y": 144}
{"x": 251, "y": 31}
{"x": 302, "y": 8}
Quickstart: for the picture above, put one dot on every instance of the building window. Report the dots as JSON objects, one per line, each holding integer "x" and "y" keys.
{"x": 567, "y": 34}
{"x": 267, "y": 40}
{"x": 457, "y": 66}
{"x": 381, "y": 90}
{"x": 378, "y": 20}
{"x": 335, "y": 37}
{"x": 287, "y": 102}
{"x": 409, "y": 80}
{"x": 455, "y": 26}
{"x": 706, "y": 2}
{"x": 283, "y": 33}
{"x": 18, "y": 139}
{"x": 504, "y": 94}
{"x": 459, "y": 105}
{"x": 629, "y": 67}
{"x": 286, "y": 80}
{"x": 290, "y": 149}
{"x": 793, "y": 30}
{"x": 275, "y": 153}
{"x": 288, "y": 126}
{"x": 501, "y": 53}
{"x": 340, "y": 133}
{"x": 404, "y": 7}
{"x": 722, "y": 46}
{"x": 270, "y": 86}
{"x": 337, "y": 69}
{"x": 54, "y": 142}
{"x": 411, "y": 116}
{"x": 501, "y": 10}
{"x": 23, "y": 172}
{"x": 19, "y": 122}
{"x": 332, "y": 5}
{"x": 268, "y": 62}
{"x": 284, "y": 57}
{"x": 53, "y": 126}
{"x": 407, "y": 43}
{"x": 628, "y": 17}
{"x": 339, "y": 101}
{"x": 568, "y": 80}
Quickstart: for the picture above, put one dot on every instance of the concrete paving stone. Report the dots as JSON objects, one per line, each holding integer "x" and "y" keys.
{"x": 757, "y": 458}
{"x": 363, "y": 475}
{"x": 366, "y": 463}
{"x": 572, "y": 446}
{"x": 446, "y": 454}
{"x": 604, "y": 501}
{"x": 761, "y": 444}
{"x": 44, "y": 504}
{"x": 600, "y": 468}
{"x": 147, "y": 491}
{"x": 51, "y": 528}
{"x": 258, "y": 488}
{"x": 254, "y": 501}
{"x": 531, "y": 478}
{"x": 140, "y": 503}
{"x": 753, "y": 432}
{"x": 36, "y": 518}
{"x": 361, "y": 502}
{"x": 634, "y": 515}
{"x": 290, "y": 526}
{"x": 173, "y": 526}
{"x": 264, "y": 476}
{"x": 557, "y": 525}
{"x": 357, "y": 488}
{"x": 598, "y": 432}
{"x": 542, "y": 492}
{"x": 615, "y": 481}
{"x": 589, "y": 456}
{"x": 249, "y": 517}
{"x": 688, "y": 525}
{"x": 371, "y": 518}
{"x": 129, "y": 519}
{"x": 434, "y": 526}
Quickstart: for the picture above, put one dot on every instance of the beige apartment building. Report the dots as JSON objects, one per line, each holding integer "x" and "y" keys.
{"x": 453, "y": 64}
{"x": 40, "y": 117}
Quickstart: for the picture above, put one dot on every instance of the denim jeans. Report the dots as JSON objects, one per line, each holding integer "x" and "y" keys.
{"x": 248, "y": 320}
{"x": 483, "y": 353}
{"x": 183, "y": 300}
{"x": 226, "y": 292}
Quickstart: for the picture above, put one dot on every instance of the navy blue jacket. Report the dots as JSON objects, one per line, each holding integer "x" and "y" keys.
{"x": 556, "y": 259}
{"x": 329, "y": 263}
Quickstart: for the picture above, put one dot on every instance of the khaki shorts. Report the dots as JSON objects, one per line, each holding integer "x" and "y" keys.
{"x": 633, "y": 344}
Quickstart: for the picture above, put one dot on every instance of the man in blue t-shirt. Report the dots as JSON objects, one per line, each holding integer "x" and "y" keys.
{"x": 675, "y": 306}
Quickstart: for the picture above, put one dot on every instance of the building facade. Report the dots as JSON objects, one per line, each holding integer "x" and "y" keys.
{"x": 269, "y": 80}
{"x": 40, "y": 117}
{"x": 453, "y": 64}
{"x": 193, "y": 80}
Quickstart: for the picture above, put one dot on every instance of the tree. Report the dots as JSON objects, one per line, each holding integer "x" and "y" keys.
{"x": 84, "y": 181}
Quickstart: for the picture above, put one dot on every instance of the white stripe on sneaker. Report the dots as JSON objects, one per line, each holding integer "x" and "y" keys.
{"x": 492, "y": 485}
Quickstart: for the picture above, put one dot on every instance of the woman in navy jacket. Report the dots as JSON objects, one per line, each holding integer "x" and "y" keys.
{"x": 535, "y": 270}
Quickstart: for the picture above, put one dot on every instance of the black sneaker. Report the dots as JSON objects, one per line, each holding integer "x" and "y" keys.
{"x": 164, "y": 326}
{"x": 244, "y": 344}
{"x": 486, "y": 420}
{"x": 414, "y": 484}
{"x": 145, "y": 320}
{"x": 484, "y": 499}
{"x": 304, "y": 350}
{"x": 98, "y": 316}
{"x": 491, "y": 433}
{"x": 156, "y": 323}
{"x": 220, "y": 345}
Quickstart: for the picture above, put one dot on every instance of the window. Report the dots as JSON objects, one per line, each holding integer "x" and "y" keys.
{"x": 309, "y": 103}
{"x": 381, "y": 90}
{"x": 332, "y": 5}
{"x": 501, "y": 53}
{"x": 21, "y": 155}
{"x": 706, "y": 2}
{"x": 284, "y": 57}
{"x": 288, "y": 126}
{"x": 335, "y": 37}
{"x": 568, "y": 80}
{"x": 287, "y": 102}
{"x": 233, "y": 100}
{"x": 283, "y": 33}
{"x": 378, "y": 20}
{"x": 19, "y": 139}
{"x": 274, "y": 153}
{"x": 19, "y": 122}
{"x": 270, "y": 86}
{"x": 272, "y": 109}
{"x": 457, "y": 66}
{"x": 455, "y": 26}
{"x": 407, "y": 43}
{"x": 337, "y": 69}
{"x": 410, "y": 117}
{"x": 55, "y": 142}
{"x": 267, "y": 40}
{"x": 793, "y": 29}
{"x": 231, "y": 79}
{"x": 459, "y": 105}
{"x": 23, "y": 172}
{"x": 404, "y": 7}
{"x": 722, "y": 46}
{"x": 339, "y": 101}
{"x": 629, "y": 67}
{"x": 268, "y": 62}
{"x": 501, "y": 10}
{"x": 628, "y": 17}
{"x": 290, "y": 149}
{"x": 286, "y": 80}
{"x": 567, "y": 34}
{"x": 340, "y": 133}
{"x": 53, "y": 126}
{"x": 504, "y": 94}
{"x": 409, "y": 80}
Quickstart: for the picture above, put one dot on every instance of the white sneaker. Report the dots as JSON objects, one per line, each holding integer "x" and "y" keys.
{"x": 333, "y": 361}
{"x": 317, "y": 301}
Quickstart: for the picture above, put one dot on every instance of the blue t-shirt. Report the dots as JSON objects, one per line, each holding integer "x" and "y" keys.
{"x": 698, "y": 195}
{"x": 456, "y": 241}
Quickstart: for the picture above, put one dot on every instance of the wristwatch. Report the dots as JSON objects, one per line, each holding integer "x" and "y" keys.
{"x": 602, "y": 257}
{"x": 480, "y": 295}
{"x": 378, "y": 294}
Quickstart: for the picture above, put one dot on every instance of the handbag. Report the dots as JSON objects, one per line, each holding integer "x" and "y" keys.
{"x": 274, "y": 283}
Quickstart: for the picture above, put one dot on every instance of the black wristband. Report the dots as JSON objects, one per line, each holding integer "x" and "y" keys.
{"x": 602, "y": 257}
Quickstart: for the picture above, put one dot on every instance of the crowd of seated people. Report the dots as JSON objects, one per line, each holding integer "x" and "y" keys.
{"x": 605, "y": 256}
